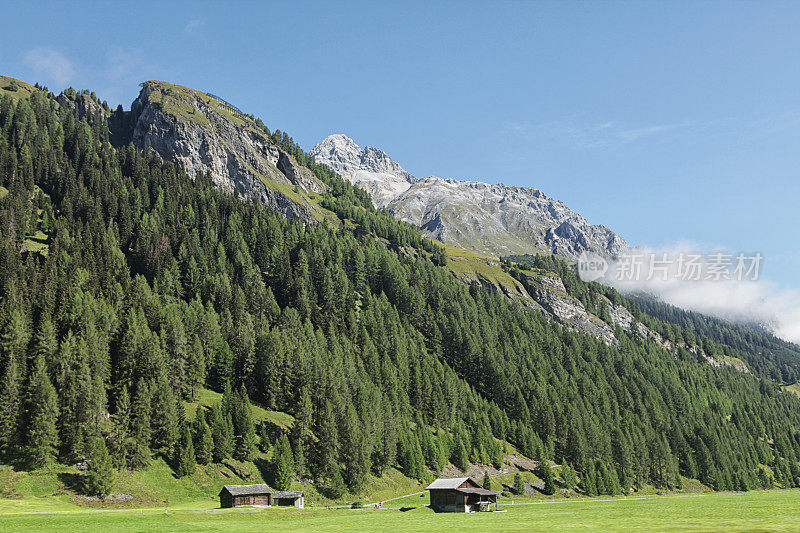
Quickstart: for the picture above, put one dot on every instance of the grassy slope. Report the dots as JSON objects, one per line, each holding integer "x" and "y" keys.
{"x": 24, "y": 90}
{"x": 207, "y": 398}
{"x": 468, "y": 265}
{"x": 755, "y": 511}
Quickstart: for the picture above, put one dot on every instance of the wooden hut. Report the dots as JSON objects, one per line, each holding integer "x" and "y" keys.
{"x": 239, "y": 495}
{"x": 288, "y": 499}
{"x": 460, "y": 495}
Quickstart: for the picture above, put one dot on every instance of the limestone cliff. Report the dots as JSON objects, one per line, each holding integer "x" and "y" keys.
{"x": 205, "y": 135}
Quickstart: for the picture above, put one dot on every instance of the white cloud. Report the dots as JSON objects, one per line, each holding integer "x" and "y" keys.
{"x": 51, "y": 65}
{"x": 754, "y": 301}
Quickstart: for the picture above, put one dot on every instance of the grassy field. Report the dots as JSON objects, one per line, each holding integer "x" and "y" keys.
{"x": 754, "y": 511}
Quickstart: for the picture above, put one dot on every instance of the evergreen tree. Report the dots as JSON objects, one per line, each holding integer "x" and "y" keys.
{"x": 519, "y": 485}
{"x": 139, "y": 455}
{"x": 100, "y": 472}
{"x": 244, "y": 429}
{"x": 9, "y": 405}
{"x": 13, "y": 339}
{"x": 204, "y": 442}
{"x": 120, "y": 441}
{"x": 459, "y": 457}
{"x": 487, "y": 481}
{"x": 334, "y": 484}
{"x": 283, "y": 464}
{"x": 42, "y": 414}
{"x": 164, "y": 418}
{"x": 185, "y": 463}
{"x": 221, "y": 434}
{"x": 546, "y": 473}
{"x": 589, "y": 480}
{"x": 355, "y": 456}
{"x": 569, "y": 476}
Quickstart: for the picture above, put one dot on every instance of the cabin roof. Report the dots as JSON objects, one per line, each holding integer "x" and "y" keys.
{"x": 294, "y": 495}
{"x": 246, "y": 490}
{"x": 447, "y": 483}
{"x": 478, "y": 491}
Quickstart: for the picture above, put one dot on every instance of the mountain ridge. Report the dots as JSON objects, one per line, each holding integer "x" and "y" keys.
{"x": 487, "y": 218}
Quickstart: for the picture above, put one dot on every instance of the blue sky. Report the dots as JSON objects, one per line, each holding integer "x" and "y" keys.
{"x": 667, "y": 122}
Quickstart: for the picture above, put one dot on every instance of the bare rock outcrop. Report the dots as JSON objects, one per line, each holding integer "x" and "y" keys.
{"x": 549, "y": 291}
{"x": 202, "y": 134}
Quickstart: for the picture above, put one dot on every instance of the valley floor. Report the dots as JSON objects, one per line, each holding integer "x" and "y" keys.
{"x": 775, "y": 510}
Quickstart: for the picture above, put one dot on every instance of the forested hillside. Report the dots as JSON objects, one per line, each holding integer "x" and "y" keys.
{"x": 765, "y": 354}
{"x": 126, "y": 287}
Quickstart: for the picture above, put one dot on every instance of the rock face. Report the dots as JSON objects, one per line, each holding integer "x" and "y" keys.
{"x": 490, "y": 219}
{"x": 549, "y": 291}
{"x": 203, "y": 135}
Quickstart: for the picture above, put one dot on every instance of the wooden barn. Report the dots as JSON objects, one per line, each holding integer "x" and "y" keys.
{"x": 239, "y": 495}
{"x": 460, "y": 495}
{"x": 288, "y": 499}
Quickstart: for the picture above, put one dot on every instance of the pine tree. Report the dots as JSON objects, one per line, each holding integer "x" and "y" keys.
{"x": 519, "y": 485}
{"x": 297, "y": 435}
{"x": 9, "y": 405}
{"x": 204, "y": 443}
{"x": 569, "y": 476}
{"x": 334, "y": 484}
{"x": 459, "y": 457}
{"x": 184, "y": 453}
{"x": 589, "y": 480}
{"x": 100, "y": 472}
{"x": 487, "y": 481}
{"x": 244, "y": 429}
{"x": 283, "y": 463}
{"x": 355, "y": 456}
{"x": 13, "y": 340}
{"x": 139, "y": 454}
{"x": 164, "y": 419}
{"x": 546, "y": 473}
{"x": 46, "y": 344}
{"x": 221, "y": 433}
{"x": 42, "y": 414}
{"x": 120, "y": 440}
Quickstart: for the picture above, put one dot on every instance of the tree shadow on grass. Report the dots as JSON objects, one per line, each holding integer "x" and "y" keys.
{"x": 73, "y": 482}
{"x": 266, "y": 470}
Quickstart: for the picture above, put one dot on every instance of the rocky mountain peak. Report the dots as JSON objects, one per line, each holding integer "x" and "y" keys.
{"x": 493, "y": 219}
{"x": 369, "y": 168}
{"x": 339, "y": 152}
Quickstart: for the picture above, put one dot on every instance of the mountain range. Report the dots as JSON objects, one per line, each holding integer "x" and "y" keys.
{"x": 206, "y": 134}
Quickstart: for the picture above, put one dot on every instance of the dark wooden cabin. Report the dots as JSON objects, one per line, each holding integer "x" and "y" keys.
{"x": 239, "y": 495}
{"x": 288, "y": 499}
{"x": 460, "y": 495}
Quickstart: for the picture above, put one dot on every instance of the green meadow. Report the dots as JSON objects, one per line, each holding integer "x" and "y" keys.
{"x": 777, "y": 510}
